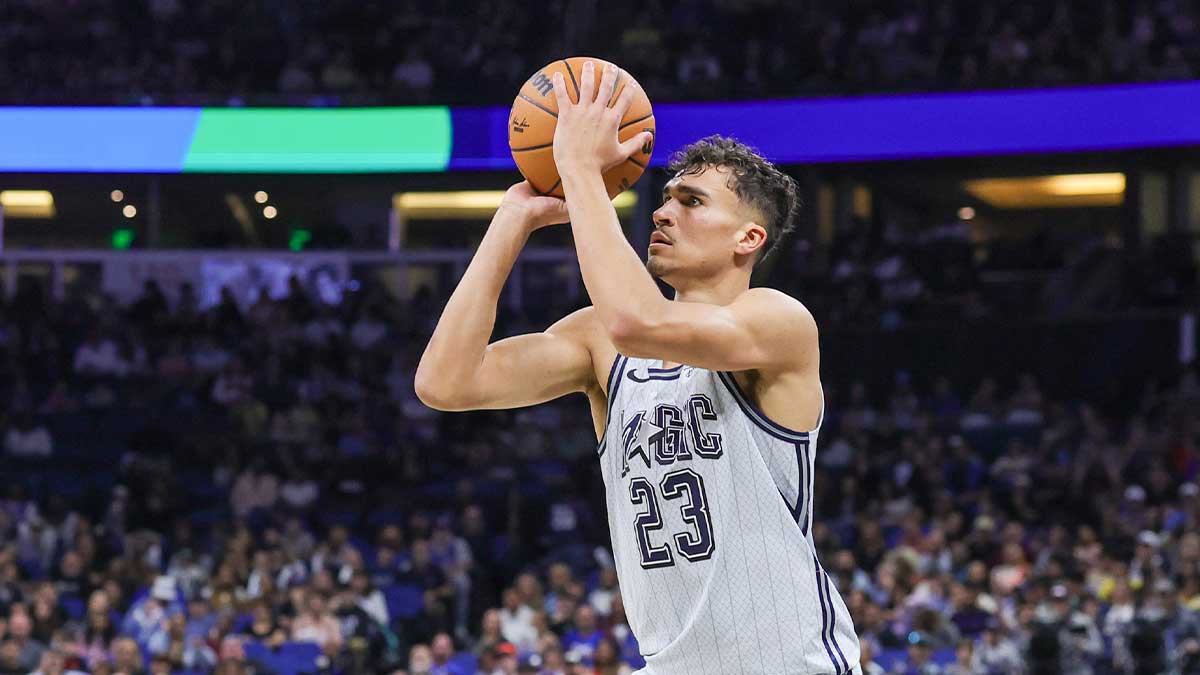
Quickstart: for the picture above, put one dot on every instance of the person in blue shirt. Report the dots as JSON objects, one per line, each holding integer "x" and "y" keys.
{"x": 583, "y": 637}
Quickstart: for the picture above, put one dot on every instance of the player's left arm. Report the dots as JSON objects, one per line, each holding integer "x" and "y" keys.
{"x": 763, "y": 328}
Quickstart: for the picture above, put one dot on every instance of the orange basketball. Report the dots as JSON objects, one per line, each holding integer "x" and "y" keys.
{"x": 535, "y": 115}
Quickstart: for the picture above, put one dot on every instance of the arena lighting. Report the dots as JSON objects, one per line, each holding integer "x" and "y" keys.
{"x": 270, "y": 211}
{"x": 471, "y": 203}
{"x": 130, "y": 210}
{"x": 261, "y": 197}
{"x": 966, "y": 213}
{"x": 116, "y": 195}
{"x": 122, "y": 238}
{"x": 1059, "y": 191}
{"x": 1086, "y": 184}
{"x": 27, "y": 203}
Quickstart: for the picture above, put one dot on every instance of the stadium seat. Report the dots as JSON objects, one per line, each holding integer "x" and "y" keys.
{"x": 73, "y": 606}
{"x": 892, "y": 659}
{"x": 943, "y": 657}
{"x": 306, "y": 652}
{"x": 463, "y": 663}
{"x": 403, "y": 601}
{"x": 257, "y": 651}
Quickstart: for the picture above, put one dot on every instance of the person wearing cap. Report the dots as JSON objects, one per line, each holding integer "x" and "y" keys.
{"x": 146, "y": 619}
{"x": 506, "y": 658}
{"x": 575, "y": 665}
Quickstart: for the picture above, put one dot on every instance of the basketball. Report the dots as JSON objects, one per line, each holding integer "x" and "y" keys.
{"x": 535, "y": 115}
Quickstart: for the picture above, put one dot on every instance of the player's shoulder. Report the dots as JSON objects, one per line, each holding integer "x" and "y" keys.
{"x": 778, "y": 307}
{"x": 583, "y": 327}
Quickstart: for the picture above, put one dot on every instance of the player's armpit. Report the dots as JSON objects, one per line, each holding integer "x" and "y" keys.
{"x": 763, "y": 328}
{"x": 522, "y": 370}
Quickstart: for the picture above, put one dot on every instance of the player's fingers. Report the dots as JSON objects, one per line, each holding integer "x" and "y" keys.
{"x": 560, "y": 92}
{"x": 608, "y": 84}
{"x": 625, "y": 100}
{"x": 634, "y": 145}
{"x": 587, "y": 83}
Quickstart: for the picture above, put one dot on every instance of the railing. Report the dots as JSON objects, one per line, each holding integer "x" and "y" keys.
{"x": 121, "y": 273}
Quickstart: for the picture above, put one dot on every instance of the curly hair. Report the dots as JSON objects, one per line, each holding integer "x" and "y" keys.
{"x": 756, "y": 182}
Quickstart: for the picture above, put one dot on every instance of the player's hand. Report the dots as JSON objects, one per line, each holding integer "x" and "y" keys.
{"x": 585, "y": 138}
{"x": 536, "y": 211}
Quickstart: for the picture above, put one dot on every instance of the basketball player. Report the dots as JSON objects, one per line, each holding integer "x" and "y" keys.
{"x": 707, "y": 406}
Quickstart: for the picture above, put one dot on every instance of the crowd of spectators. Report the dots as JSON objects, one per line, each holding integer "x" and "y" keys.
{"x": 351, "y": 52}
{"x": 890, "y": 275}
{"x": 220, "y": 489}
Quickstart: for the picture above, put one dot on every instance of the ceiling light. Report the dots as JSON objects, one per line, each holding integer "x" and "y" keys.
{"x": 1067, "y": 190}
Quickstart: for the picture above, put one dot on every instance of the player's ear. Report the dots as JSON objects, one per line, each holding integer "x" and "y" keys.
{"x": 750, "y": 238}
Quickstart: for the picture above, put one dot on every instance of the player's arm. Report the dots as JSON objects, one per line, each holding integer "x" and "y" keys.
{"x": 460, "y": 370}
{"x": 761, "y": 329}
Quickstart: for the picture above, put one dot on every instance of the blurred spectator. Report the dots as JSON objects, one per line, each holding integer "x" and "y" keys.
{"x": 516, "y": 621}
{"x": 316, "y": 624}
{"x": 20, "y": 637}
{"x": 126, "y": 657}
{"x": 704, "y": 49}
{"x": 27, "y": 438}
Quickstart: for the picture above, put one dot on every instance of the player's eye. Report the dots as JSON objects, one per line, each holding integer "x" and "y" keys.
{"x": 693, "y": 201}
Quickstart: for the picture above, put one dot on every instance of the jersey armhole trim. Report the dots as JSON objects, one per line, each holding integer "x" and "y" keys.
{"x": 614, "y": 383}
{"x": 761, "y": 420}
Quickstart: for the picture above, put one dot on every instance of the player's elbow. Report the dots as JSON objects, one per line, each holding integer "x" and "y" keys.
{"x": 434, "y": 393}
{"x": 633, "y": 333}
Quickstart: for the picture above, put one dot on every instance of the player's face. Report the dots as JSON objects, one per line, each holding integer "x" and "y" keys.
{"x": 701, "y": 227}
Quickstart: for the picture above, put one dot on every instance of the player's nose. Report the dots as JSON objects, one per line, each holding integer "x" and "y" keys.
{"x": 662, "y": 216}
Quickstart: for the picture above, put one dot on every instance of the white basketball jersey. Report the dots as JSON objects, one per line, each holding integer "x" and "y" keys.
{"x": 710, "y": 508}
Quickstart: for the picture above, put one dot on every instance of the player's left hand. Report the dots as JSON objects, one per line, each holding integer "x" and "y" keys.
{"x": 585, "y": 138}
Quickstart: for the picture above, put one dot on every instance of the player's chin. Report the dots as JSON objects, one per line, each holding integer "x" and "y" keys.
{"x": 654, "y": 265}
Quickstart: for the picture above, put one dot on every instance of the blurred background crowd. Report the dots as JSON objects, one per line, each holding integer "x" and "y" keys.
{"x": 351, "y": 52}
{"x": 252, "y": 486}
{"x": 257, "y": 489}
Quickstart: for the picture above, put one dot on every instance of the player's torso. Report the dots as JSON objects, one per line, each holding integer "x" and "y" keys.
{"x": 709, "y": 509}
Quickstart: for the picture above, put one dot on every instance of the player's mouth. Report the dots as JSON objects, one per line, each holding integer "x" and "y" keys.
{"x": 659, "y": 238}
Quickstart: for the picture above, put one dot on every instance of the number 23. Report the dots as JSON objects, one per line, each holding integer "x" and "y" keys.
{"x": 693, "y": 545}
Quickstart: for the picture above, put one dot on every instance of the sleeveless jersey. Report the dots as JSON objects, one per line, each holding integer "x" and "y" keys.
{"x": 710, "y": 511}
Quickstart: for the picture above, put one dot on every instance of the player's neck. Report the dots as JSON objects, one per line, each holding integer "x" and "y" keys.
{"x": 720, "y": 291}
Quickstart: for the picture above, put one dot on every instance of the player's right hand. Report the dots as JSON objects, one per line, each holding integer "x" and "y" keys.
{"x": 535, "y": 210}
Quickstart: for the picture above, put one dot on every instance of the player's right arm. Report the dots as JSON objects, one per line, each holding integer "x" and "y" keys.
{"x": 460, "y": 370}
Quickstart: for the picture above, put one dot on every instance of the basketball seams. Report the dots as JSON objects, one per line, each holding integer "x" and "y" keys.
{"x": 636, "y": 162}
{"x": 527, "y": 148}
{"x": 538, "y": 105}
{"x": 640, "y": 119}
{"x": 574, "y": 82}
